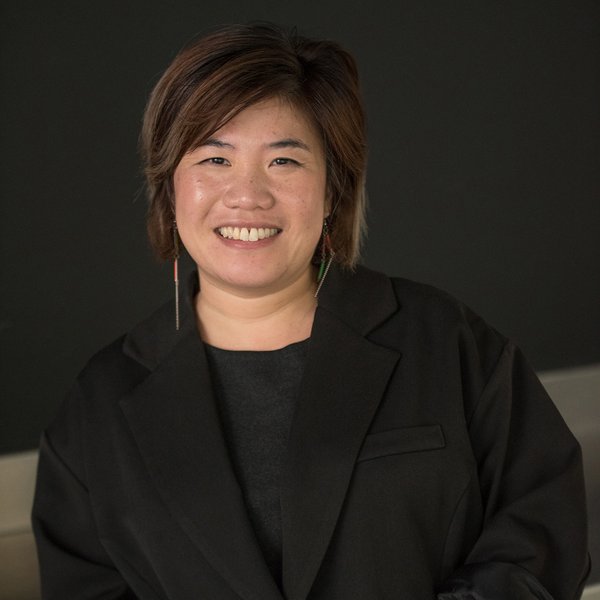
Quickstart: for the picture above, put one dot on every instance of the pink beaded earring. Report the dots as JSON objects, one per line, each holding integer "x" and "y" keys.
{"x": 176, "y": 272}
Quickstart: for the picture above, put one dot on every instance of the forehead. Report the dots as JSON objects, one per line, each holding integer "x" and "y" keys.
{"x": 273, "y": 116}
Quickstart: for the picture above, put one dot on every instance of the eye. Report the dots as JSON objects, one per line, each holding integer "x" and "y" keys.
{"x": 285, "y": 161}
{"x": 215, "y": 160}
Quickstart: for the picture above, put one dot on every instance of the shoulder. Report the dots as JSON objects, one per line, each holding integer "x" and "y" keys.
{"x": 439, "y": 307}
{"x": 363, "y": 281}
{"x": 140, "y": 351}
{"x": 120, "y": 366}
{"x": 111, "y": 371}
{"x": 413, "y": 299}
{"x": 91, "y": 405}
{"x": 423, "y": 297}
{"x": 428, "y": 320}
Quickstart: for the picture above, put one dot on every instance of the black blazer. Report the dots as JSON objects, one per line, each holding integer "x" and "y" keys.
{"x": 424, "y": 458}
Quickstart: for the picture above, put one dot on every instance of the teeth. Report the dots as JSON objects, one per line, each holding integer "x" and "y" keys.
{"x": 247, "y": 234}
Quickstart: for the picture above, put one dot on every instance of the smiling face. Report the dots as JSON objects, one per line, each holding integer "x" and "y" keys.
{"x": 250, "y": 201}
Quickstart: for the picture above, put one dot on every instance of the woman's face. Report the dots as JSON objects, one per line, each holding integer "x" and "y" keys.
{"x": 250, "y": 201}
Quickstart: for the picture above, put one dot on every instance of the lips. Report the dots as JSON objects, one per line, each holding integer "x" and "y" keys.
{"x": 247, "y": 234}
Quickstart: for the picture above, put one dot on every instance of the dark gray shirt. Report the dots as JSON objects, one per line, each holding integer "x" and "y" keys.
{"x": 256, "y": 392}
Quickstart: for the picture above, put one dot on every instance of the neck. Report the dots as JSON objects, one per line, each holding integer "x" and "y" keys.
{"x": 256, "y": 322}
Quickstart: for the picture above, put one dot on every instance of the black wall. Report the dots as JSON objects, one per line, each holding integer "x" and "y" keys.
{"x": 484, "y": 122}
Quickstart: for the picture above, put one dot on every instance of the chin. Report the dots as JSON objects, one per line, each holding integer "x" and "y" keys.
{"x": 251, "y": 281}
{"x": 243, "y": 276}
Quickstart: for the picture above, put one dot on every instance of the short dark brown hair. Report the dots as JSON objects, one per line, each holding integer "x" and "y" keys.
{"x": 219, "y": 75}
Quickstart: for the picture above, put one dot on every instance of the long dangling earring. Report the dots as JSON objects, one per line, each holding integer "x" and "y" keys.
{"x": 327, "y": 255}
{"x": 176, "y": 272}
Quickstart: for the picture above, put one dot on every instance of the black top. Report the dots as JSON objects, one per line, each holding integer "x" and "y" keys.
{"x": 256, "y": 392}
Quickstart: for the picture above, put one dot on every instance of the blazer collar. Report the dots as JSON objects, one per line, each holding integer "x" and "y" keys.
{"x": 362, "y": 299}
{"x": 174, "y": 419}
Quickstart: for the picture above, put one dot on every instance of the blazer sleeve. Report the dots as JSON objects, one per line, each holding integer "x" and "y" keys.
{"x": 533, "y": 543}
{"x": 73, "y": 563}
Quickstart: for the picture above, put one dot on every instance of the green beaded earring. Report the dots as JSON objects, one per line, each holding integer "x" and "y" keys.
{"x": 327, "y": 255}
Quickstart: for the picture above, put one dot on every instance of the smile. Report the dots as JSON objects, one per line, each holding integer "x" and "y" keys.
{"x": 247, "y": 234}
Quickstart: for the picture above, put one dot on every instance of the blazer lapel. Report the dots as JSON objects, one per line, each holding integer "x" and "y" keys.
{"x": 345, "y": 378}
{"x": 174, "y": 419}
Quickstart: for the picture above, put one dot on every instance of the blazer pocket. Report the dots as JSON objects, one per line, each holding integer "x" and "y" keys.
{"x": 401, "y": 441}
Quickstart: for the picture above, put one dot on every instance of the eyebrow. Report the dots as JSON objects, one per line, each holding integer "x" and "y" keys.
{"x": 290, "y": 143}
{"x": 216, "y": 143}
{"x": 285, "y": 143}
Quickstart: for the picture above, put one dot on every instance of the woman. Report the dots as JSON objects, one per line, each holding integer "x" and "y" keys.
{"x": 301, "y": 427}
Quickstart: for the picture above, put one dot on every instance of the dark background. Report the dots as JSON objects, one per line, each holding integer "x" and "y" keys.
{"x": 483, "y": 171}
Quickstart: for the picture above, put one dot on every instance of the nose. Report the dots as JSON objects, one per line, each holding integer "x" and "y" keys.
{"x": 249, "y": 189}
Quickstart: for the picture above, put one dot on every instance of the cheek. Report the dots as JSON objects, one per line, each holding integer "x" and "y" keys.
{"x": 189, "y": 200}
{"x": 312, "y": 201}
{"x": 183, "y": 190}
{"x": 315, "y": 211}
{"x": 310, "y": 221}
